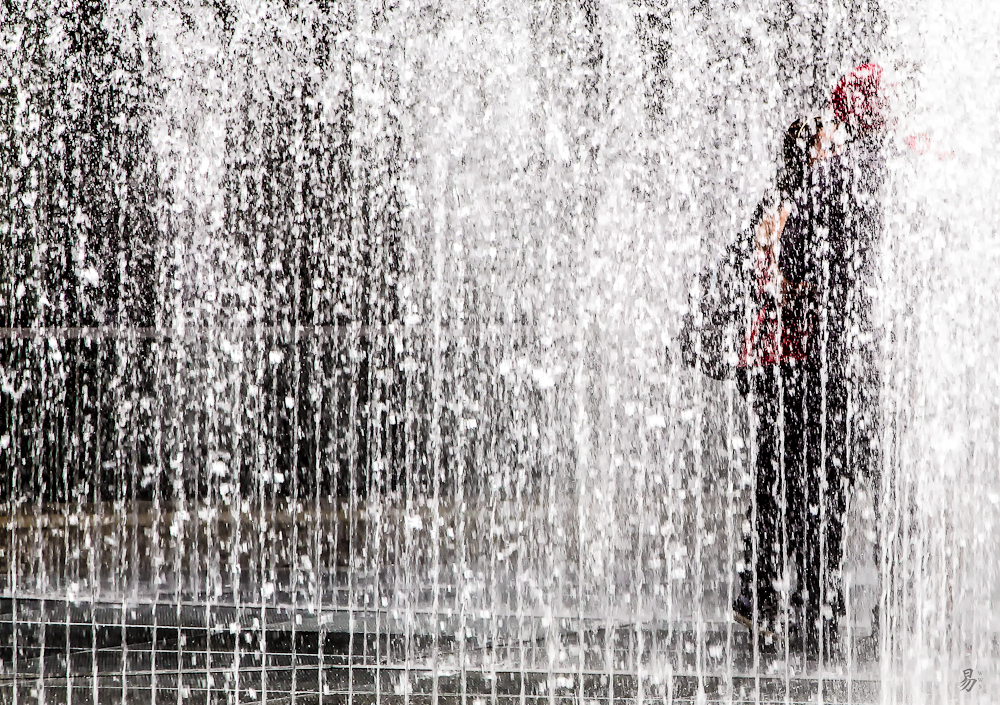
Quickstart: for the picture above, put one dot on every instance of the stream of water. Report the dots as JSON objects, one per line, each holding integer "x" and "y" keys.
{"x": 338, "y": 356}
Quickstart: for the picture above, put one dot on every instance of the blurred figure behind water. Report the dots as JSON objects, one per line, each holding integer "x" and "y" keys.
{"x": 814, "y": 379}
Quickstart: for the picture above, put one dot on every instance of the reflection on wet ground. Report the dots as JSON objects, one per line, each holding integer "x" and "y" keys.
{"x": 196, "y": 653}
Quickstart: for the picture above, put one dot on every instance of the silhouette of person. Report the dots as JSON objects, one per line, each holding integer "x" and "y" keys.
{"x": 813, "y": 375}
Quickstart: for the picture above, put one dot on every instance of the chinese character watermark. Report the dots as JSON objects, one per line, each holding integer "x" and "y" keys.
{"x": 967, "y": 681}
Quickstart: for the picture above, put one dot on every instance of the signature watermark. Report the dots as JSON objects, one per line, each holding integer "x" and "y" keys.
{"x": 968, "y": 682}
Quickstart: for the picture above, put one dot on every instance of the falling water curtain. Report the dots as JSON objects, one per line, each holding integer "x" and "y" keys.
{"x": 78, "y": 233}
{"x": 164, "y": 230}
{"x": 369, "y": 304}
{"x": 940, "y": 499}
{"x": 804, "y": 50}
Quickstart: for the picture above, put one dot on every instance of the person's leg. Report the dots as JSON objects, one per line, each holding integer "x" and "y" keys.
{"x": 762, "y": 545}
{"x": 875, "y": 490}
{"x": 831, "y": 475}
{"x": 833, "y": 598}
{"x": 796, "y": 492}
{"x": 867, "y": 466}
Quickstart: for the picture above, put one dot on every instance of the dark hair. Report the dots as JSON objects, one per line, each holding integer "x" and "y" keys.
{"x": 800, "y": 136}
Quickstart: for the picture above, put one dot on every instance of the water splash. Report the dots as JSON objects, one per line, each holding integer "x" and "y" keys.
{"x": 338, "y": 348}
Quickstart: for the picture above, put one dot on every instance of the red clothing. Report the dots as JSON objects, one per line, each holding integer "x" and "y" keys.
{"x": 766, "y": 341}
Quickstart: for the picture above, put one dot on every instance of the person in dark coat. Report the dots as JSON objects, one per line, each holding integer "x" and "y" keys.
{"x": 732, "y": 323}
{"x": 817, "y": 410}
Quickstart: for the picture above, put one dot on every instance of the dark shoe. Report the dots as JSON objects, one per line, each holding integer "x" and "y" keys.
{"x": 743, "y": 611}
{"x": 803, "y": 642}
{"x": 810, "y": 639}
{"x": 743, "y": 614}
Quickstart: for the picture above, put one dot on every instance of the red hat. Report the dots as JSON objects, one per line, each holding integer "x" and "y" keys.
{"x": 859, "y": 100}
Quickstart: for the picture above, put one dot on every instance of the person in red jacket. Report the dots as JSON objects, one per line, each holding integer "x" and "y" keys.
{"x": 814, "y": 378}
